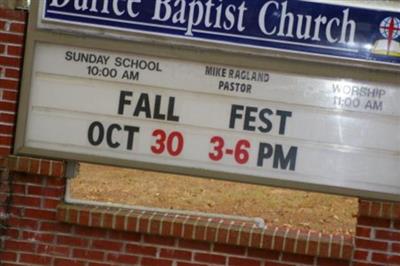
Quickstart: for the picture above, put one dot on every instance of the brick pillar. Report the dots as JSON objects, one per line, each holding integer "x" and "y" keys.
{"x": 377, "y": 240}
{"x": 12, "y": 29}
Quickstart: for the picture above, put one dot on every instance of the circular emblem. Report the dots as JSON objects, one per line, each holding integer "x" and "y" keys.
{"x": 390, "y": 28}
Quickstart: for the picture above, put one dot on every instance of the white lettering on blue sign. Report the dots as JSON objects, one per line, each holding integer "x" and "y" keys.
{"x": 297, "y": 26}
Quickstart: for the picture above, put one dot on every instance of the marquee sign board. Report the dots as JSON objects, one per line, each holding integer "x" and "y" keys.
{"x": 257, "y": 120}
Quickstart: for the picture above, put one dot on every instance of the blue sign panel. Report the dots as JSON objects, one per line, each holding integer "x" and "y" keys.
{"x": 291, "y": 25}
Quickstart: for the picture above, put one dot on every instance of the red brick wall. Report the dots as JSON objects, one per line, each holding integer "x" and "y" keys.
{"x": 42, "y": 230}
{"x": 378, "y": 234}
{"x": 38, "y": 228}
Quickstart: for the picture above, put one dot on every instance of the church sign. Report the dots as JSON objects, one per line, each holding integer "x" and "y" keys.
{"x": 199, "y": 111}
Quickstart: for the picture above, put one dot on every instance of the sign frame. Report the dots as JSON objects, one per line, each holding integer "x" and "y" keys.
{"x": 203, "y": 55}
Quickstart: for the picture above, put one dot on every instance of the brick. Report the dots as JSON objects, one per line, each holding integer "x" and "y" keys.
{"x": 7, "y": 106}
{"x": 6, "y": 129}
{"x": 375, "y": 209}
{"x": 2, "y": 47}
{"x": 12, "y": 233}
{"x": 26, "y": 201}
{"x": 397, "y": 225}
{"x": 50, "y": 203}
{"x": 360, "y": 255}
{"x": 120, "y": 222}
{"x": 10, "y": 61}
{"x": 5, "y": 151}
{"x": 88, "y": 254}
{"x": 157, "y": 240}
{"x": 175, "y": 254}
{"x": 12, "y": 14}
{"x": 108, "y": 220}
{"x": 17, "y": 27}
{"x": 374, "y": 222}
{"x": 23, "y": 223}
{"x": 190, "y": 244}
{"x": 200, "y": 232}
{"x": 264, "y": 254}
{"x": 154, "y": 226}
{"x": 37, "y": 236}
{"x": 10, "y": 96}
{"x": 324, "y": 247}
{"x": 27, "y": 179}
{"x": 363, "y": 231}
{"x": 243, "y": 262}
{"x": 107, "y": 245}
{"x": 7, "y": 118}
{"x": 153, "y": 262}
{"x": 12, "y": 73}
{"x": 6, "y": 141}
{"x": 278, "y": 245}
{"x": 369, "y": 244}
{"x": 228, "y": 249}
{"x": 366, "y": 264}
{"x": 14, "y": 50}
{"x": 270, "y": 263}
{"x": 58, "y": 170}
{"x": 22, "y": 164}
{"x": 332, "y": 262}
{"x": 11, "y": 245}
{"x": 394, "y": 259}
{"x": 387, "y": 209}
{"x": 8, "y": 256}
{"x": 45, "y": 167}
{"x": 68, "y": 262}
{"x": 122, "y": 258}
{"x": 16, "y": 211}
{"x": 11, "y": 38}
{"x": 2, "y": 25}
{"x": 387, "y": 235}
{"x": 75, "y": 241}
{"x": 124, "y": 236}
{"x": 379, "y": 257}
{"x": 396, "y": 211}
{"x": 55, "y": 227}
{"x": 46, "y": 192}
{"x": 56, "y": 182}
{"x": 298, "y": 258}
{"x": 396, "y": 247}
{"x": 10, "y": 85}
{"x": 209, "y": 258}
{"x": 52, "y": 192}
{"x": 143, "y": 224}
{"x": 140, "y": 249}
{"x": 40, "y": 214}
{"x": 10, "y": 264}
{"x": 53, "y": 250}
{"x": 91, "y": 232}
{"x": 62, "y": 215}
{"x": 35, "y": 259}
{"x": 189, "y": 264}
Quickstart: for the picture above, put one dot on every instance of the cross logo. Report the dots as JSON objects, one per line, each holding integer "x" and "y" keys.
{"x": 390, "y": 29}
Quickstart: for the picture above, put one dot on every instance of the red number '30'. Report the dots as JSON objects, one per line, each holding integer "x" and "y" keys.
{"x": 173, "y": 142}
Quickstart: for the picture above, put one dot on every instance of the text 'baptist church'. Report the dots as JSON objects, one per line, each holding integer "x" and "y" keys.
{"x": 274, "y": 18}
